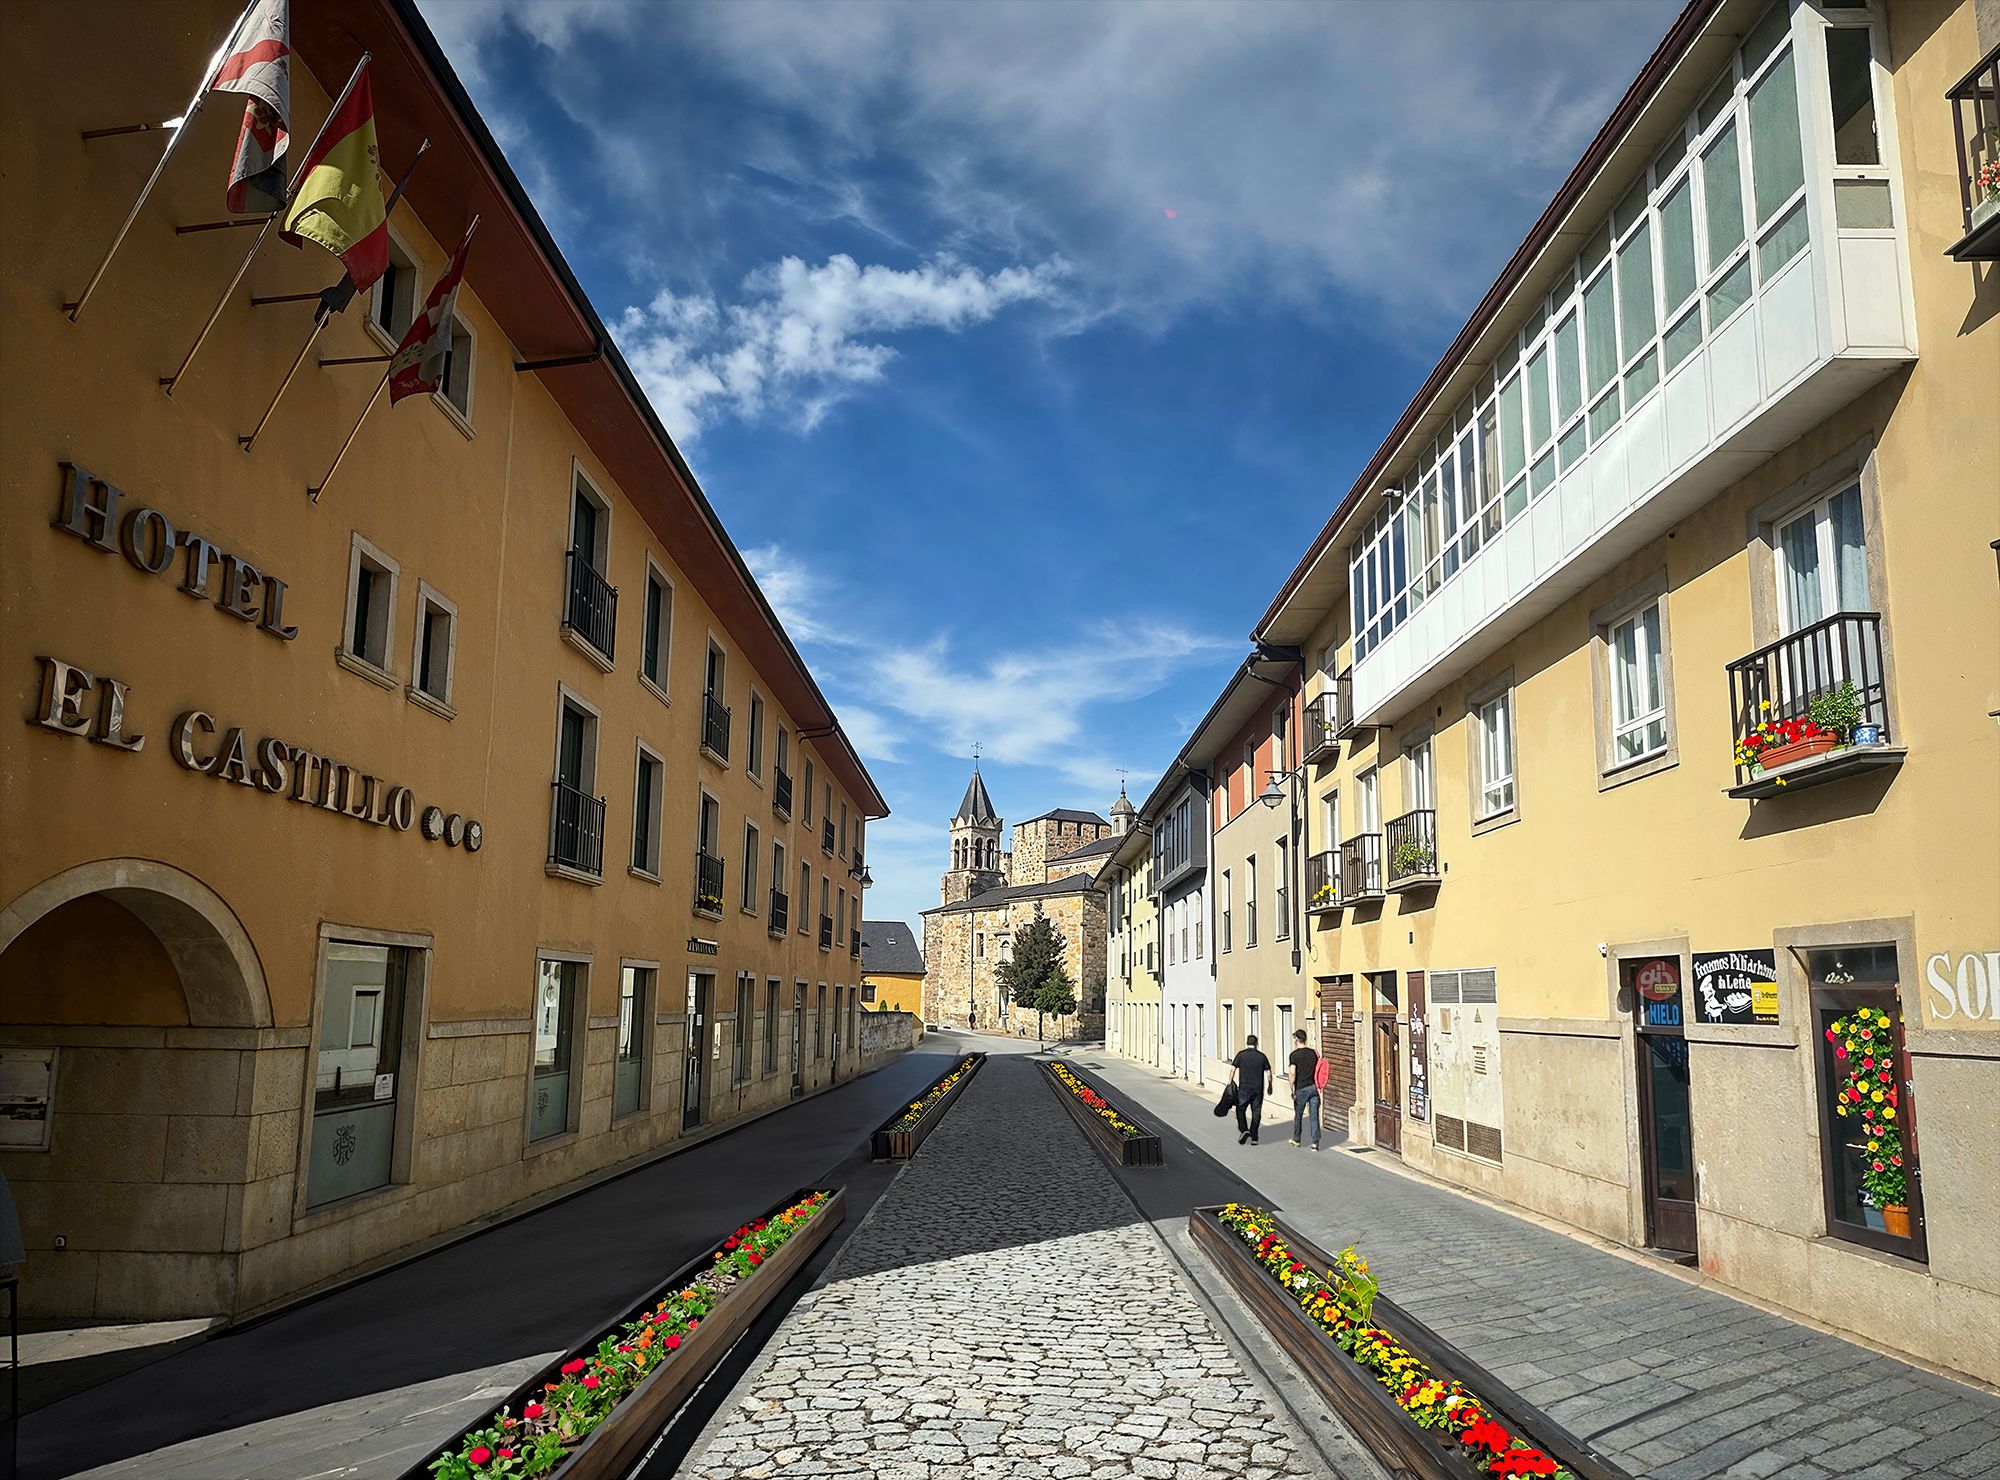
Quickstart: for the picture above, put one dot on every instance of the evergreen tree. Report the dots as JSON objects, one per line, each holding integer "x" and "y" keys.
{"x": 1036, "y": 976}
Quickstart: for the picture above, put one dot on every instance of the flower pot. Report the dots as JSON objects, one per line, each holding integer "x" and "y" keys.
{"x": 1770, "y": 757}
{"x": 1985, "y": 208}
{"x": 1896, "y": 1220}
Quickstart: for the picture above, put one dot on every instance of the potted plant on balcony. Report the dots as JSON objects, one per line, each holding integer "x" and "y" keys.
{"x": 1322, "y": 897}
{"x": 1864, "y": 1049}
{"x": 1777, "y": 742}
{"x": 1412, "y": 857}
{"x": 1986, "y": 185}
{"x": 1839, "y": 709}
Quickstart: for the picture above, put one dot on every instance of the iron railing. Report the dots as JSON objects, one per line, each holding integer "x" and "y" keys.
{"x": 826, "y": 932}
{"x": 708, "y": 883}
{"x": 1361, "y": 867}
{"x": 1323, "y": 881}
{"x": 590, "y": 607}
{"x": 1815, "y": 662}
{"x": 781, "y": 795}
{"x": 826, "y": 836}
{"x": 781, "y": 912}
{"x": 1319, "y": 741}
{"x": 714, "y": 726}
{"x": 576, "y": 840}
{"x": 854, "y": 942}
{"x": 1343, "y": 705}
{"x": 1975, "y": 117}
{"x": 1412, "y": 845}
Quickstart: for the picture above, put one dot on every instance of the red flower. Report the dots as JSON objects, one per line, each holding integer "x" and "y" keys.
{"x": 590, "y": 1382}
{"x": 532, "y": 1411}
{"x": 1484, "y": 1433}
{"x": 570, "y": 1369}
{"x": 673, "y": 1343}
{"x": 506, "y": 1454}
{"x": 1522, "y": 1462}
{"x": 480, "y": 1455}
{"x": 756, "y": 1258}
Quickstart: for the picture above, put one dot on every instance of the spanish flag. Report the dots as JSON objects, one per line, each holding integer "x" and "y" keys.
{"x": 338, "y": 202}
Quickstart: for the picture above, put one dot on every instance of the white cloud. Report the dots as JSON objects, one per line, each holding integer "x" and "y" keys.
{"x": 793, "y": 591}
{"x": 803, "y": 338}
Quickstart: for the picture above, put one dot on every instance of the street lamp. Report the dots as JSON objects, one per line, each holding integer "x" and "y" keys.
{"x": 1273, "y": 795}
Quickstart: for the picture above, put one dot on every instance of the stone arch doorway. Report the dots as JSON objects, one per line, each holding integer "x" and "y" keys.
{"x": 133, "y": 987}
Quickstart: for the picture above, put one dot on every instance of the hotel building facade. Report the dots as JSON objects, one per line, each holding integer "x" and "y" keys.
{"x": 1717, "y": 449}
{"x": 375, "y": 865}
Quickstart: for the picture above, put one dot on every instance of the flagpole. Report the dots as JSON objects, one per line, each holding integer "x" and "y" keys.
{"x": 325, "y": 311}
{"x": 180, "y": 132}
{"x": 320, "y": 487}
{"x": 169, "y": 382}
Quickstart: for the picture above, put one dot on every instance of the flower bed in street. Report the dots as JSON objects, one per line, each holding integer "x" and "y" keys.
{"x": 898, "y": 1137}
{"x": 1116, "y": 1133}
{"x": 594, "y": 1412}
{"x": 1393, "y": 1386}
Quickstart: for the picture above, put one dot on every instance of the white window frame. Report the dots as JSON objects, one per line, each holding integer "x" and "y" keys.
{"x": 1649, "y": 678}
{"x": 429, "y": 599}
{"x": 581, "y": 482}
{"x": 1498, "y": 794}
{"x": 361, "y": 548}
{"x": 1820, "y": 511}
{"x": 458, "y": 375}
{"x": 409, "y": 295}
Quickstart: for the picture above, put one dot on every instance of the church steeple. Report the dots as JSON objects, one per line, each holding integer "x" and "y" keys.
{"x": 975, "y": 843}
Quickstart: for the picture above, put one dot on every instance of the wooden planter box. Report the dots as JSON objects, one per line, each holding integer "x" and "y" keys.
{"x": 885, "y": 1144}
{"x": 1351, "y": 1390}
{"x": 1142, "y": 1150}
{"x": 611, "y": 1449}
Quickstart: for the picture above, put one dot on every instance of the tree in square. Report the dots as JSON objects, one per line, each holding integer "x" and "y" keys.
{"x": 1036, "y": 976}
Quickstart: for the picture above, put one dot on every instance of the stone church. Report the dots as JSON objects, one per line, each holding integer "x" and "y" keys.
{"x": 991, "y": 891}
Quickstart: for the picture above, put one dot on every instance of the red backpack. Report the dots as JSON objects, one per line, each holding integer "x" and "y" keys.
{"x": 1319, "y": 1073}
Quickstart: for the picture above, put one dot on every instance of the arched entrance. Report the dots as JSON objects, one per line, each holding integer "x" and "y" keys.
{"x": 131, "y": 995}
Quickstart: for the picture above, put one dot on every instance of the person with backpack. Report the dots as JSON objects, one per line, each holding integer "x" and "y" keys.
{"x": 1307, "y": 1071}
{"x": 1250, "y": 1073}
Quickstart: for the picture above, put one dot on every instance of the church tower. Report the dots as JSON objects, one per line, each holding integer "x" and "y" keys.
{"x": 975, "y": 844}
{"x": 1122, "y": 813}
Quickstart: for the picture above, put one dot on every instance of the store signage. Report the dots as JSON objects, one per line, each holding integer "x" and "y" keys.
{"x": 699, "y": 947}
{"x": 75, "y": 701}
{"x": 1658, "y": 984}
{"x": 88, "y": 509}
{"x": 1736, "y": 987}
{"x": 1966, "y": 992}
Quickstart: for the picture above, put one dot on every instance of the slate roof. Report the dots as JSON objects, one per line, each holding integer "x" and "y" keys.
{"x": 1007, "y": 894}
{"x": 1106, "y": 844}
{"x": 1068, "y": 814}
{"x": 977, "y": 806}
{"x": 890, "y": 945}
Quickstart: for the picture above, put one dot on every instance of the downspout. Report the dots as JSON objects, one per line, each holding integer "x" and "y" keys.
{"x": 1293, "y": 865}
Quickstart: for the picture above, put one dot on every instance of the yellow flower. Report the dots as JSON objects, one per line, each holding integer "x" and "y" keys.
{"x": 1888, "y": 1112}
{"x": 1766, "y": 704}
{"x": 1876, "y": 1097}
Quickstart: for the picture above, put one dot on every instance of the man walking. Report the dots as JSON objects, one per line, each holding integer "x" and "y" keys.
{"x": 1250, "y": 1072}
{"x": 1305, "y": 1089}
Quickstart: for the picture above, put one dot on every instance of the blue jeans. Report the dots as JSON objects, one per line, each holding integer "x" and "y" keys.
{"x": 1305, "y": 1112}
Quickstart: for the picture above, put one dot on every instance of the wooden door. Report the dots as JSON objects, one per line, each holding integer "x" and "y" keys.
{"x": 1666, "y": 1133}
{"x": 1388, "y": 1084}
{"x": 700, "y": 985}
{"x": 1336, "y": 1046}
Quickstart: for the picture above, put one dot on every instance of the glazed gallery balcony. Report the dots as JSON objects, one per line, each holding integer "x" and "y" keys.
{"x": 590, "y": 605}
{"x": 1830, "y": 676}
{"x": 576, "y": 831}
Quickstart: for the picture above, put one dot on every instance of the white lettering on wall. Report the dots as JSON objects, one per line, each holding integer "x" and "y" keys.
{"x": 1971, "y": 989}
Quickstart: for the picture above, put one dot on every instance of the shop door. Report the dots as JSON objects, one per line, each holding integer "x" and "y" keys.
{"x": 1666, "y": 1124}
{"x": 701, "y": 986}
{"x": 1388, "y": 1085}
{"x": 1336, "y": 1046}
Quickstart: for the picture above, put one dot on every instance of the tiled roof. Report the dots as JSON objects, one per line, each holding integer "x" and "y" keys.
{"x": 890, "y": 945}
{"x": 1106, "y": 844}
{"x": 1069, "y": 814}
{"x": 994, "y": 898}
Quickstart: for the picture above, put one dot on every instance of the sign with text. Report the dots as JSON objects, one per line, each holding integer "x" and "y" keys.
{"x": 1657, "y": 985}
{"x": 1736, "y": 987}
{"x": 1962, "y": 989}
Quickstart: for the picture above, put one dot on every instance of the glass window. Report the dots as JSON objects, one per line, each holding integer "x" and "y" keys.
{"x": 1511, "y": 451}
{"x": 357, "y": 1084}
{"x": 1683, "y": 338}
{"x": 555, "y": 1029}
{"x": 1641, "y": 378}
{"x": 1765, "y": 37}
{"x": 635, "y": 1007}
{"x": 1539, "y": 408}
{"x": 1569, "y": 369}
{"x": 1281, "y": 915}
{"x": 1783, "y": 242}
{"x": 646, "y": 815}
{"x": 771, "y": 1024}
{"x": 1868, "y": 1142}
{"x": 1638, "y": 688}
{"x": 1722, "y": 196}
{"x": 1635, "y": 290}
{"x": 1862, "y": 204}
{"x": 1249, "y": 901}
{"x": 1822, "y": 561}
{"x": 1678, "y": 276}
{"x": 1851, "y": 94}
{"x": 754, "y": 761}
{"x": 1600, "y": 334}
{"x": 1777, "y": 161}
{"x": 1731, "y": 292}
{"x": 658, "y": 624}
{"x": 1496, "y": 756}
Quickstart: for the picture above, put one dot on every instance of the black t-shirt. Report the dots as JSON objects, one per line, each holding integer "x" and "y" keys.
{"x": 1305, "y": 1068}
{"x": 1252, "y": 1069}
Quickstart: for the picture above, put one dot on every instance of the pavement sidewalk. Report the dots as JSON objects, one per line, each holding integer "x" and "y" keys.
{"x": 364, "y": 1380}
{"x": 1674, "y": 1380}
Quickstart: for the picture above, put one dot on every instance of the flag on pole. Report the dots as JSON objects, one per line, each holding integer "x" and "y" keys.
{"x": 418, "y": 364}
{"x": 258, "y": 63}
{"x": 338, "y": 198}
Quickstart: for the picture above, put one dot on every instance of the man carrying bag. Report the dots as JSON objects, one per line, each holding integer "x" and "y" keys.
{"x": 1250, "y": 1076}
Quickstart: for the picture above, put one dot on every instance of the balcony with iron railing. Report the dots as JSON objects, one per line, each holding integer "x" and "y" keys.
{"x": 781, "y": 912}
{"x": 590, "y": 605}
{"x": 826, "y": 932}
{"x": 1975, "y": 119}
{"x": 1343, "y": 704}
{"x": 707, "y": 884}
{"x": 576, "y": 830}
{"x": 1824, "y": 695}
{"x": 781, "y": 794}
{"x": 1320, "y": 743}
{"x": 714, "y": 727}
{"x": 1412, "y": 845}
{"x": 1361, "y": 868}
{"x": 1323, "y": 882}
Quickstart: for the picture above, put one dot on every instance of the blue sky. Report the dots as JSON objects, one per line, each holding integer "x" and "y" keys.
{"x": 1023, "y": 347}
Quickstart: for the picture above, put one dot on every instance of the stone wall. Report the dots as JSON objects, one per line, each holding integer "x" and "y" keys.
{"x": 958, "y": 977}
{"x": 885, "y": 1035}
{"x": 1039, "y": 843}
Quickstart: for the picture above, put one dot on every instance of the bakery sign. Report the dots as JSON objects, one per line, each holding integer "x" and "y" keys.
{"x": 1736, "y": 987}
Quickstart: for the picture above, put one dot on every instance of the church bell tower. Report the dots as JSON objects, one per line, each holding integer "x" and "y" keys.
{"x": 975, "y": 844}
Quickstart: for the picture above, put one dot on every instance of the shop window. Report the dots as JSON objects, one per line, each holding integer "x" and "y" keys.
{"x": 646, "y": 789}
{"x": 659, "y": 628}
{"x": 371, "y": 604}
{"x": 635, "y": 1018}
{"x": 437, "y": 646}
{"x": 1867, "y": 1105}
{"x": 392, "y": 306}
{"x": 368, "y": 992}
{"x": 553, "y": 1084}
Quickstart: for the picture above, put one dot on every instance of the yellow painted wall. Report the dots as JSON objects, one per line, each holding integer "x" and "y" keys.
{"x": 895, "y": 991}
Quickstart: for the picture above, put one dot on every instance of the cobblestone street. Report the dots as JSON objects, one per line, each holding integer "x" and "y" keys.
{"x": 1003, "y": 1313}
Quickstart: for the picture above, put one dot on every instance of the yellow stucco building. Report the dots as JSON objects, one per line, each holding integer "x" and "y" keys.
{"x": 892, "y": 967}
{"x": 368, "y": 866}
